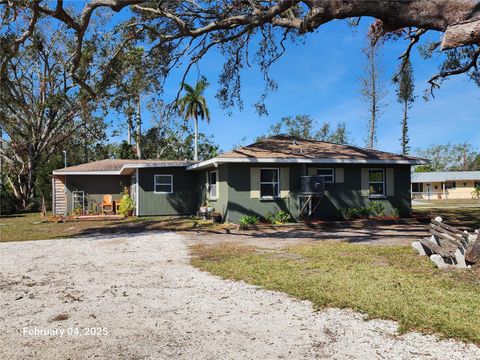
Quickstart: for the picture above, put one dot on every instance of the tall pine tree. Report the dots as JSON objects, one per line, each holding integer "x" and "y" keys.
{"x": 372, "y": 90}
{"x": 405, "y": 96}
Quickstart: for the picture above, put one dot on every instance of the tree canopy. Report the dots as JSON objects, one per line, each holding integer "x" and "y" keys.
{"x": 62, "y": 66}
{"x": 185, "y": 31}
{"x": 450, "y": 157}
{"x": 305, "y": 127}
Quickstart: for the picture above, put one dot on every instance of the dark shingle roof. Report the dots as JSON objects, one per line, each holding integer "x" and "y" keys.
{"x": 282, "y": 146}
{"x": 118, "y": 164}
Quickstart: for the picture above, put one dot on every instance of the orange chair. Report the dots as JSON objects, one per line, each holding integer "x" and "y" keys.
{"x": 107, "y": 204}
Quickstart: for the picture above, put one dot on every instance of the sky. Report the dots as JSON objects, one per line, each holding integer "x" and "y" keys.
{"x": 320, "y": 78}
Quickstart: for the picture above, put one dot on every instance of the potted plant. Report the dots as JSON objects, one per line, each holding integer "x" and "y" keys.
{"x": 216, "y": 218}
{"x": 206, "y": 208}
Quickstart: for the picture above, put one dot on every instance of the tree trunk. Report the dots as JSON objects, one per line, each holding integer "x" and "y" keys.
{"x": 85, "y": 141}
{"x": 373, "y": 109}
{"x": 405, "y": 129}
{"x": 1, "y": 160}
{"x": 129, "y": 123}
{"x": 196, "y": 140}
{"x": 139, "y": 129}
{"x": 23, "y": 184}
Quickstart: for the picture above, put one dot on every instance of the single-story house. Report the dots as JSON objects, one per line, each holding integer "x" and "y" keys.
{"x": 267, "y": 176}
{"x": 444, "y": 184}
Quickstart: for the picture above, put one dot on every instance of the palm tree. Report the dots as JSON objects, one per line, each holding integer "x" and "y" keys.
{"x": 193, "y": 106}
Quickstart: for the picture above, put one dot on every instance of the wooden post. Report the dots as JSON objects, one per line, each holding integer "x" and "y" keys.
{"x": 443, "y": 188}
{"x": 44, "y": 208}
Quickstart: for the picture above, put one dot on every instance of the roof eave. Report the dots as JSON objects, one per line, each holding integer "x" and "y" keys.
{"x": 60, "y": 172}
{"x": 219, "y": 160}
{"x": 123, "y": 170}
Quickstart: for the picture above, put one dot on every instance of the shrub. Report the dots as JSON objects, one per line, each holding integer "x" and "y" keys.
{"x": 396, "y": 213}
{"x": 376, "y": 208}
{"x": 476, "y": 192}
{"x": 126, "y": 205}
{"x": 77, "y": 211}
{"x": 280, "y": 217}
{"x": 249, "y": 220}
{"x": 354, "y": 213}
{"x": 345, "y": 212}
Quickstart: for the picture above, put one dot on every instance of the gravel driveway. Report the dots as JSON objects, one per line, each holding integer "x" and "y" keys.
{"x": 144, "y": 301}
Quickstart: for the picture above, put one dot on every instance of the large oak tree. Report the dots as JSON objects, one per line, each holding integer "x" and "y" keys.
{"x": 184, "y": 31}
{"x": 188, "y": 29}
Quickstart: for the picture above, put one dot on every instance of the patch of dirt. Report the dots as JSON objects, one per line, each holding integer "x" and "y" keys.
{"x": 60, "y": 317}
{"x": 370, "y": 233}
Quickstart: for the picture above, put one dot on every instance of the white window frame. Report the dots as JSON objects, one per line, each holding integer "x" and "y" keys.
{"x": 210, "y": 196}
{"x": 325, "y": 181}
{"x": 377, "y": 182}
{"x": 155, "y": 184}
{"x": 270, "y": 182}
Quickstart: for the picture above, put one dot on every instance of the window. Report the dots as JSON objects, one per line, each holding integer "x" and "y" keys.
{"x": 417, "y": 187}
{"x": 327, "y": 174}
{"x": 269, "y": 184}
{"x": 163, "y": 184}
{"x": 212, "y": 185}
{"x": 450, "y": 185}
{"x": 376, "y": 181}
{"x": 476, "y": 184}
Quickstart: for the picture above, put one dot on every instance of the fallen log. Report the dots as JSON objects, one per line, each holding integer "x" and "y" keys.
{"x": 436, "y": 249}
{"x": 447, "y": 246}
{"x": 473, "y": 252}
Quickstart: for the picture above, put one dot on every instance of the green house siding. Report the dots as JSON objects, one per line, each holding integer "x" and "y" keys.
{"x": 337, "y": 195}
{"x": 349, "y": 193}
{"x": 219, "y": 203}
{"x": 239, "y": 201}
{"x": 183, "y": 201}
{"x": 235, "y": 199}
{"x": 94, "y": 187}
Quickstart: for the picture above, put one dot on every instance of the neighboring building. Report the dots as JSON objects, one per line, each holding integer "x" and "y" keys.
{"x": 257, "y": 179}
{"x": 444, "y": 184}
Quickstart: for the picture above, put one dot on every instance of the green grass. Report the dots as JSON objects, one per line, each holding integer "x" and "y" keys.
{"x": 449, "y": 202}
{"x": 21, "y": 227}
{"x": 388, "y": 282}
{"x": 466, "y": 217}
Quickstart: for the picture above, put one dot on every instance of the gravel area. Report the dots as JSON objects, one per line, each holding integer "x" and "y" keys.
{"x": 374, "y": 233}
{"x": 147, "y": 302}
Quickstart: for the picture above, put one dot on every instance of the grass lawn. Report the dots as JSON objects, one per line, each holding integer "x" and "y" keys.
{"x": 449, "y": 202}
{"x": 22, "y": 227}
{"x": 388, "y": 282}
{"x": 467, "y": 217}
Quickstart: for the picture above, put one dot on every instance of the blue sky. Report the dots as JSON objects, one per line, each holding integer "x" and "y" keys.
{"x": 321, "y": 78}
